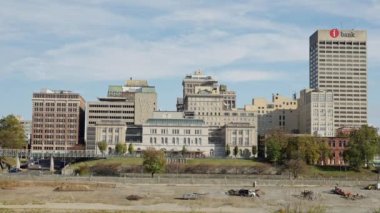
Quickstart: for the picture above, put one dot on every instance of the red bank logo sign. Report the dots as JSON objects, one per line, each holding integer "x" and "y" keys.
{"x": 334, "y": 33}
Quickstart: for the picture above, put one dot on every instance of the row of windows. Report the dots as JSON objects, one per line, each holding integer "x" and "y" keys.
{"x": 111, "y": 139}
{"x": 351, "y": 121}
{"x": 54, "y": 115}
{"x": 338, "y": 144}
{"x": 55, "y": 120}
{"x": 343, "y": 42}
{"x": 110, "y": 106}
{"x": 342, "y": 47}
{"x": 106, "y": 111}
{"x": 110, "y": 130}
{"x": 348, "y": 52}
{"x": 54, "y": 125}
{"x": 177, "y": 131}
{"x": 111, "y": 117}
{"x": 44, "y": 95}
{"x": 176, "y": 141}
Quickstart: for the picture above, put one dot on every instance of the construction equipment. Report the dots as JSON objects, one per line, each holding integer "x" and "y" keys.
{"x": 308, "y": 195}
{"x": 347, "y": 195}
{"x": 243, "y": 192}
{"x": 372, "y": 187}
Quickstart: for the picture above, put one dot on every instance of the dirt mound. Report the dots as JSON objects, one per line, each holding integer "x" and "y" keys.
{"x": 134, "y": 197}
{"x": 73, "y": 188}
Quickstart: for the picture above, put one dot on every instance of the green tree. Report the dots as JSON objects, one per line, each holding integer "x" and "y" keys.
{"x": 254, "y": 150}
{"x": 296, "y": 167}
{"x": 325, "y": 151}
{"x": 273, "y": 151}
{"x": 121, "y": 148}
{"x": 12, "y": 133}
{"x": 276, "y": 143}
{"x": 228, "y": 150}
{"x": 362, "y": 147}
{"x": 154, "y": 160}
{"x": 102, "y": 146}
{"x": 131, "y": 148}
{"x": 236, "y": 151}
{"x": 183, "y": 151}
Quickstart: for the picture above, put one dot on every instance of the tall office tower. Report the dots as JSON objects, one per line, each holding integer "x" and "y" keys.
{"x": 58, "y": 120}
{"x": 338, "y": 63}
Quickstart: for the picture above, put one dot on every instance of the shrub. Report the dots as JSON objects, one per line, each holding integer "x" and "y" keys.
{"x": 106, "y": 169}
{"x": 83, "y": 170}
{"x": 132, "y": 169}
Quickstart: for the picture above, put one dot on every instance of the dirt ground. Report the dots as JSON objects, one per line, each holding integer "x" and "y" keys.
{"x": 21, "y": 196}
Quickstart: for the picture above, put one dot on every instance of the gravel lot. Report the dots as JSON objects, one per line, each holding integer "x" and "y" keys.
{"x": 37, "y": 196}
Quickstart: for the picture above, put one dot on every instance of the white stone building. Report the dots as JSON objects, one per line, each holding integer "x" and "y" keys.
{"x": 316, "y": 109}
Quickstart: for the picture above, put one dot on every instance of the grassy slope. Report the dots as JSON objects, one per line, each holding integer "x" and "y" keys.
{"x": 312, "y": 171}
{"x": 124, "y": 161}
{"x": 338, "y": 172}
{"x": 223, "y": 162}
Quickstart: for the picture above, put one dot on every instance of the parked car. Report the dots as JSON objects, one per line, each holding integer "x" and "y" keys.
{"x": 34, "y": 165}
{"x": 14, "y": 170}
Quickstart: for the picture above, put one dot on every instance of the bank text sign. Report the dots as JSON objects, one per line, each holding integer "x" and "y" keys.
{"x": 334, "y": 33}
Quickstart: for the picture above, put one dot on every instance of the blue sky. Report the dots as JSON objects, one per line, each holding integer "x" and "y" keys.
{"x": 255, "y": 47}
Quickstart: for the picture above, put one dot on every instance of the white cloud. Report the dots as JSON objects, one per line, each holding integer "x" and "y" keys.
{"x": 248, "y": 75}
{"x": 102, "y": 40}
{"x": 122, "y": 56}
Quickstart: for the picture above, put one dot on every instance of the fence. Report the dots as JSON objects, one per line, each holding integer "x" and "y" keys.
{"x": 189, "y": 179}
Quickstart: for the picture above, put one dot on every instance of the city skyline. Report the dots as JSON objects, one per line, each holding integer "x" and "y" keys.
{"x": 253, "y": 47}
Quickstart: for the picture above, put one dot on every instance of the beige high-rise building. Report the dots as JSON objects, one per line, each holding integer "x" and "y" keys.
{"x": 143, "y": 97}
{"x": 118, "y": 118}
{"x": 199, "y": 83}
{"x": 280, "y": 114}
{"x": 338, "y": 63}
{"x": 205, "y": 99}
{"x": 58, "y": 120}
{"x": 316, "y": 112}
